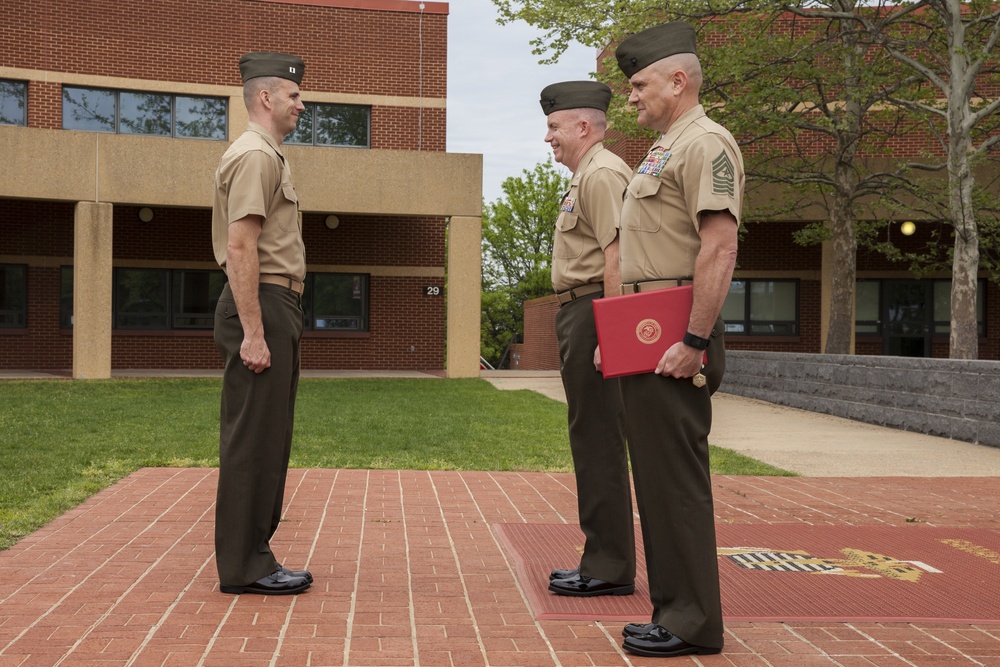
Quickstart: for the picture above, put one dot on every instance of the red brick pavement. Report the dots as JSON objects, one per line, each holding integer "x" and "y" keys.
{"x": 409, "y": 573}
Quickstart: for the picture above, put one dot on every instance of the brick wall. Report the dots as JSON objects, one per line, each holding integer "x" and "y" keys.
{"x": 346, "y": 50}
{"x": 41, "y": 343}
{"x": 407, "y": 328}
{"x": 540, "y": 351}
{"x": 375, "y": 240}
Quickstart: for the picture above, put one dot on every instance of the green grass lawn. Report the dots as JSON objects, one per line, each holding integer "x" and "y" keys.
{"x": 61, "y": 441}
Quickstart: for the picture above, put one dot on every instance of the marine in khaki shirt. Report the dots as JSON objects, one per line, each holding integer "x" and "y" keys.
{"x": 588, "y": 220}
{"x": 257, "y": 240}
{"x": 695, "y": 166}
{"x": 254, "y": 178}
{"x": 679, "y": 220}
{"x": 584, "y": 268}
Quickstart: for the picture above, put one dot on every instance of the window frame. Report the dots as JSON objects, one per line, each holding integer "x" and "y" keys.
{"x": 309, "y": 304}
{"x": 749, "y": 323}
{"x": 172, "y": 299}
{"x": 312, "y": 108}
{"x": 19, "y": 314}
{"x": 117, "y": 93}
{"x": 23, "y": 99}
{"x": 939, "y": 327}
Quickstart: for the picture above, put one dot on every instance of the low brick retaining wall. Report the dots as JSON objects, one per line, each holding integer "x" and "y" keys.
{"x": 942, "y": 397}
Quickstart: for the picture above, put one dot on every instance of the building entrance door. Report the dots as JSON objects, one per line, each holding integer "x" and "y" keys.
{"x": 907, "y": 317}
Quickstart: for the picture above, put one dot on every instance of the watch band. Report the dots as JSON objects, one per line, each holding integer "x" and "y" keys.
{"x": 697, "y": 342}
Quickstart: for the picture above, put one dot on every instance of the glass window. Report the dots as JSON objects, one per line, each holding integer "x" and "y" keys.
{"x": 141, "y": 299}
{"x": 13, "y": 296}
{"x": 735, "y": 308}
{"x": 333, "y": 125}
{"x": 942, "y": 307}
{"x": 13, "y": 102}
{"x": 303, "y": 132}
{"x": 866, "y": 307}
{"x": 762, "y": 308}
{"x": 337, "y": 302}
{"x": 869, "y": 305}
{"x": 342, "y": 125}
{"x": 773, "y": 305}
{"x": 201, "y": 117}
{"x": 144, "y": 113}
{"x": 195, "y": 295}
{"x": 154, "y": 298}
{"x": 156, "y": 114}
{"x": 89, "y": 109}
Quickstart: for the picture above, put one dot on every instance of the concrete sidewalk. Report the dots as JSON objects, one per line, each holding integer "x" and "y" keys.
{"x": 810, "y": 443}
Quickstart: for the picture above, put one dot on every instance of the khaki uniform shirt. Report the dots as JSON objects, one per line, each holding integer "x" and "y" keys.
{"x": 254, "y": 179}
{"x": 588, "y": 219}
{"x": 696, "y": 166}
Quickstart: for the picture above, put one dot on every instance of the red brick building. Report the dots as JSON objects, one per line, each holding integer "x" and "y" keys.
{"x": 113, "y": 116}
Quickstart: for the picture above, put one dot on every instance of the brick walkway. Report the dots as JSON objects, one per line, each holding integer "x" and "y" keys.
{"x": 409, "y": 573}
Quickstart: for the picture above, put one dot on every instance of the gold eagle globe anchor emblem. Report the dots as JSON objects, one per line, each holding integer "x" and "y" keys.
{"x": 648, "y": 331}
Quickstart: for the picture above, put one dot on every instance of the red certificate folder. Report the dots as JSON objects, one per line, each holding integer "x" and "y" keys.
{"x": 634, "y": 330}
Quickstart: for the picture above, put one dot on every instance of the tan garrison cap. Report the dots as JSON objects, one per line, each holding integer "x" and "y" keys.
{"x": 272, "y": 64}
{"x": 644, "y": 48}
{"x": 575, "y": 95}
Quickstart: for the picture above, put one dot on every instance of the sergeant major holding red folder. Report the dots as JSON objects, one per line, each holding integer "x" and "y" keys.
{"x": 679, "y": 222}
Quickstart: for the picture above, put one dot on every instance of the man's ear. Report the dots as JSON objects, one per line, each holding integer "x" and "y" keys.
{"x": 680, "y": 80}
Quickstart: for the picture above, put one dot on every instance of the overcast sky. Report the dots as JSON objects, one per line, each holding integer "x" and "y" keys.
{"x": 493, "y": 86}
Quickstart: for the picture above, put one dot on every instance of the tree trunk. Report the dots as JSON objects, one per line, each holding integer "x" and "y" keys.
{"x": 843, "y": 276}
{"x": 845, "y": 245}
{"x": 964, "y": 339}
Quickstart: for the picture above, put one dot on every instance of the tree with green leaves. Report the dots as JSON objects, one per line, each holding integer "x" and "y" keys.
{"x": 517, "y": 253}
{"x": 805, "y": 88}
{"x": 952, "y": 47}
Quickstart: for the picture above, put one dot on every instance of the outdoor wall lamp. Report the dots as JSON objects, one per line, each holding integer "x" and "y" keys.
{"x": 331, "y": 222}
{"x": 145, "y": 214}
{"x": 907, "y": 228}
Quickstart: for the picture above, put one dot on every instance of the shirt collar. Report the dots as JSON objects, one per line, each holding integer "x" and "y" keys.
{"x": 585, "y": 161}
{"x": 681, "y": 124}
{"x": 259, "y": 129}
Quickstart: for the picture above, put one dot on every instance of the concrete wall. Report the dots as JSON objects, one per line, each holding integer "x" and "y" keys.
{"x": 943, "y": 397}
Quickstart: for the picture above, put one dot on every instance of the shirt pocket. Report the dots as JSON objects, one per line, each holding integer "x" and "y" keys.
{"x": 569, "y": 240}
{"x": 289, "y": 222}
{"x": 643, "y": 213}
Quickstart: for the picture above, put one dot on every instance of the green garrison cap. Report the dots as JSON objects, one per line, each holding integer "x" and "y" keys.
{"x": 575, "y": 95}
{"x": 644, "y": 48}
{"x": 272, "y": 64}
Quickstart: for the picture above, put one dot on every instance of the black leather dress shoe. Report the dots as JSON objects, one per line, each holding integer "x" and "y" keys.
{"x": 305, "y": 574}
{"x": 636, "y": 629}
{"x": 564, "y": 574}
{"x": 276, "y": 583}
{"x": 659, "y": 643}
{"x": 583, "y": 586}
